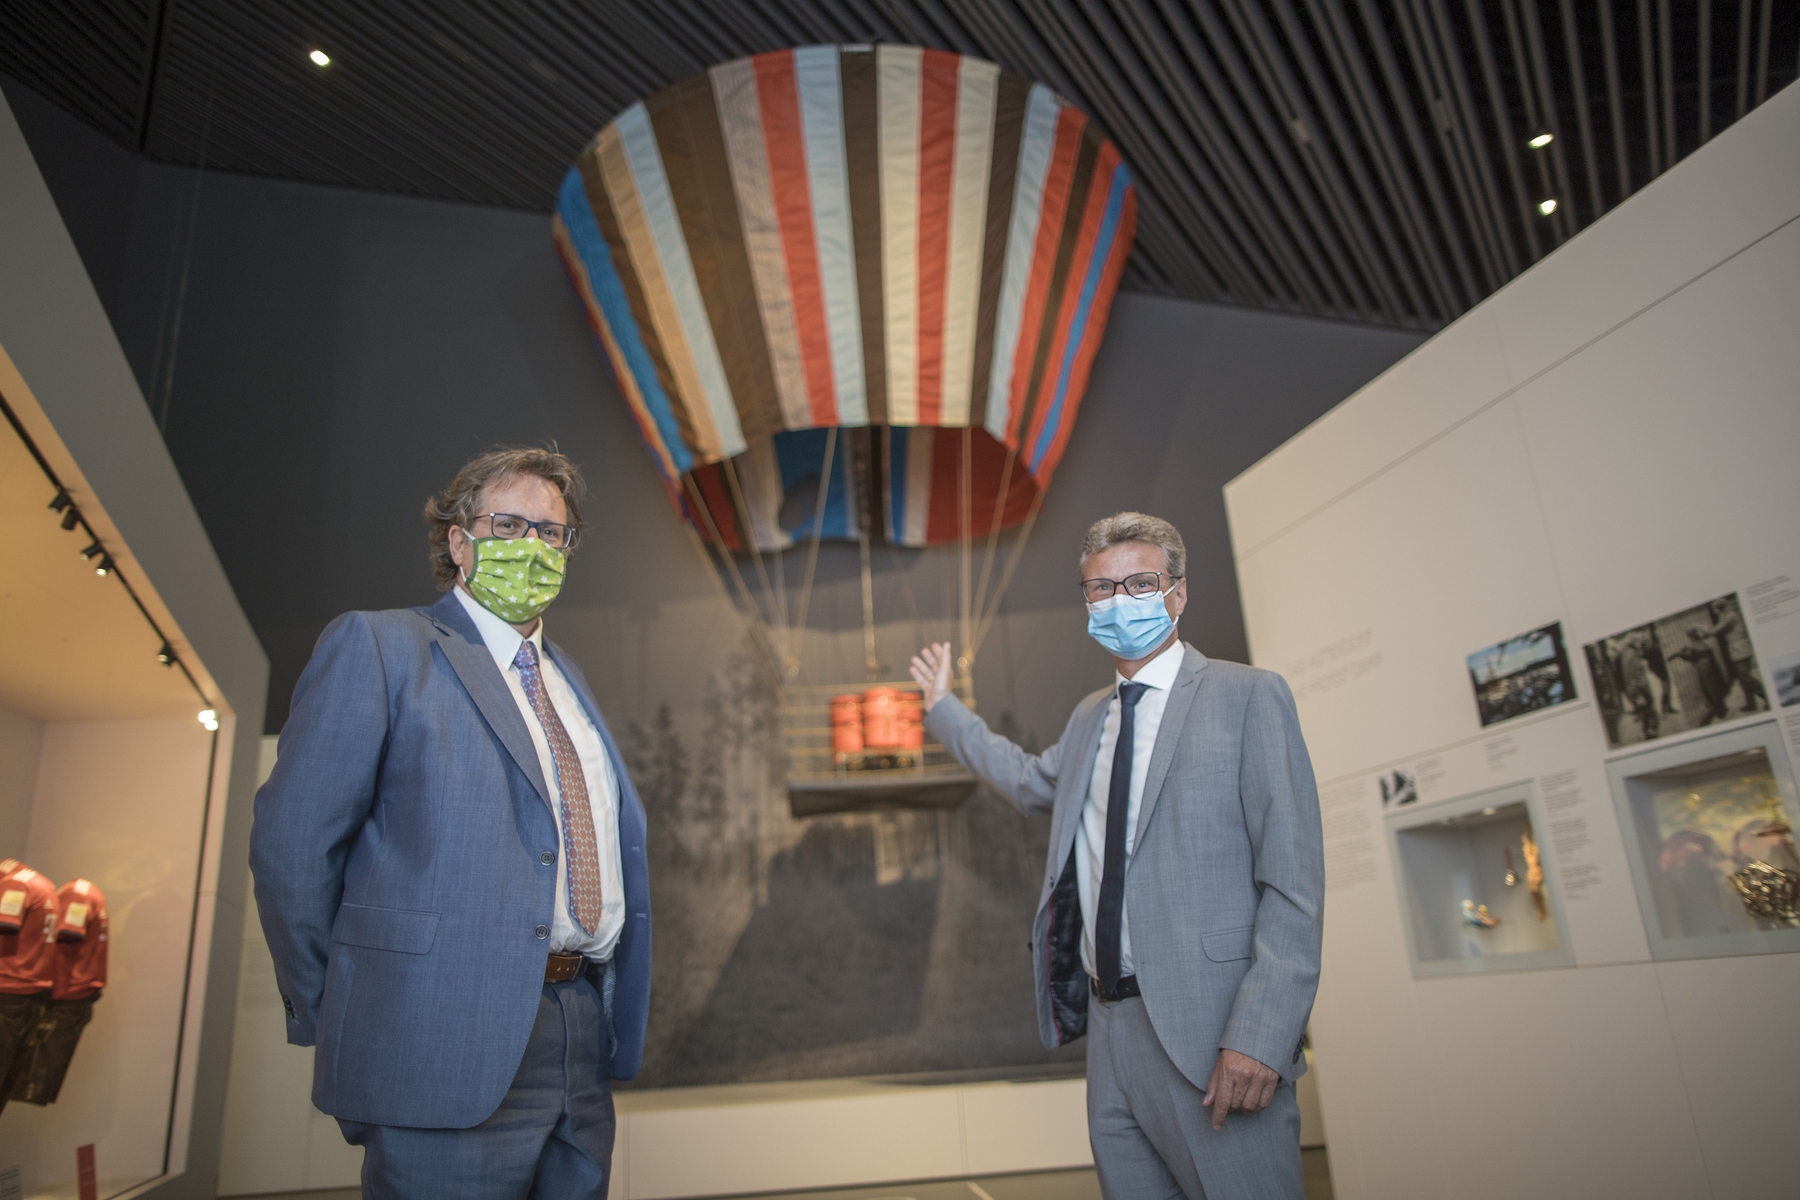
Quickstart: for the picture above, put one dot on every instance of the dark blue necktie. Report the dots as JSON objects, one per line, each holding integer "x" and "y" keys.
{"x": 1108, "y": 917}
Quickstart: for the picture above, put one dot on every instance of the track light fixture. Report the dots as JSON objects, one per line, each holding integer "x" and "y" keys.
{"x": 1541, "y": 140}
{"x": 1546, "y": 207}
{"x": 106, "y": 565}
{"x": 71, "y": 518}
{"x": 93, "y": 548}
{"x": 62, "y": 500}
{"x": 166, "y": 655}
{"x": 210, "y": 719}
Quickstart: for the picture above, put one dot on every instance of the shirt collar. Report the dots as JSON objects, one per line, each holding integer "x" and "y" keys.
{"x": 1159, "y": 672}
{"x": 501, "y": 639}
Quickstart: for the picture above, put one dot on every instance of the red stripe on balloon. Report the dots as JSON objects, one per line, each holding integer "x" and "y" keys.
{"x": 1057, "y": 181}
{"x": 778, "y": 96}
{"x": 938, "y": 73}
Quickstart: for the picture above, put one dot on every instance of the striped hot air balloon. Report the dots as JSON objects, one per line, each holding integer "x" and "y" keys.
{"x": 913, "y": 248}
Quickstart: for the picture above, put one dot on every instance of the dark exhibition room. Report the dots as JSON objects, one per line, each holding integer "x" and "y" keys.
{"x": 899, "y": 599}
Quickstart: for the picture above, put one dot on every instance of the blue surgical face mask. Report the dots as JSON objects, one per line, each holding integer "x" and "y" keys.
{"x": 1130, "y": 626}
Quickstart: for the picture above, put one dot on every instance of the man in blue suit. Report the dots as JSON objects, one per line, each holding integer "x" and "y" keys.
{"x": 449, "y": 862}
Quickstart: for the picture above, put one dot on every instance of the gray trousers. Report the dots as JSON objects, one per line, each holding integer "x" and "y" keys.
{"x": 1152, "y": 1138}
{"x": 550, "y": 1139}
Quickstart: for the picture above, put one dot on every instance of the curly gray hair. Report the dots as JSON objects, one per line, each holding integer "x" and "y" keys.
{"x": 1136, "y": 527}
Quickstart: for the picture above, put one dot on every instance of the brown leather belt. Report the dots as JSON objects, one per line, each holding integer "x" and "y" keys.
{"x": 563, "y": 967}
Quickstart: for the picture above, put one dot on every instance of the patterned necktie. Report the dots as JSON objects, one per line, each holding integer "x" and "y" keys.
{"x": 1109, "y": 916}
{"x": 582, "y": 850}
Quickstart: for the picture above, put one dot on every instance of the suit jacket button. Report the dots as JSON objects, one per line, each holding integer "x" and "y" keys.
{"x": 542, "y": 931}
{"x": 547, "y": 858}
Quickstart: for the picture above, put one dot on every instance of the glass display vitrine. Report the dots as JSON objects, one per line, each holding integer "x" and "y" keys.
{"x": 1476, "y": 885}
{"x": 1708, "y": 830}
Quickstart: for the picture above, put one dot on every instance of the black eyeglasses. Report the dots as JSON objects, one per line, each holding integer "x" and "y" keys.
{"x": 1144, "y": 583}
{"x": 510, "y": 526}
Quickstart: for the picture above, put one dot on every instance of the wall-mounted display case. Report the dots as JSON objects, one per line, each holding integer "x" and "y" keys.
{"x": 1708, "y": 832}
{"x": 1476, "y": 885}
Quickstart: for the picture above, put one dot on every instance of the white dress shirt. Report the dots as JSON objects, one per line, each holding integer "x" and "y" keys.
{"x": 1090, "y": 836}
{"x": 503, "y": 642}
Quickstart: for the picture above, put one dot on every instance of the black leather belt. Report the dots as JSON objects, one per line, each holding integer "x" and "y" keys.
{"x": 563, "y": 967}
{"x": 1127, "y": 988}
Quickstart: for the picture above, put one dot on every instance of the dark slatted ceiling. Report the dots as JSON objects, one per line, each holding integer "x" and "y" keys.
{"x": 1353, "y": 159}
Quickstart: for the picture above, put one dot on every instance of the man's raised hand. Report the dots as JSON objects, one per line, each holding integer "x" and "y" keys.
{"x": 931, "y": 669}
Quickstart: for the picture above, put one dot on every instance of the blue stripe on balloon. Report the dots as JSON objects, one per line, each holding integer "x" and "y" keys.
{"x": 1109, "y": 228}
{"x": 609, "y": 293}
{"x": 800, "y": 454}
{"x": 897, "y": 442}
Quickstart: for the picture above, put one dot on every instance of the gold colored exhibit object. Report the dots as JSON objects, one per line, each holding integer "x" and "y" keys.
{"x": 1768, "y": 891}
{"x": 1534, "y": 874}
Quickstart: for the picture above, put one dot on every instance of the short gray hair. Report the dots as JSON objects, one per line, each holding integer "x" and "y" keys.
{"x": 1136, "y": 527}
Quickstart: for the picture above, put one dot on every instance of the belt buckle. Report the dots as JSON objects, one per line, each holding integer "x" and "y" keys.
{"x": 561, "y": 968}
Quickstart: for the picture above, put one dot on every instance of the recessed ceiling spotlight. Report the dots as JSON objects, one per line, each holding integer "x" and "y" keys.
{"x": 1546, "y": 207}
{"x": 1542, "y": 140}
{"x": 322, "y": 59}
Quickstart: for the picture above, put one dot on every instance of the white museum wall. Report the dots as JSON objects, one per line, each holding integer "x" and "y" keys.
{"x": 123, "y": 802}
{"x": 20, "y": 737}
{"x": 1607, "y": 440}
{"x": 65, "y": 377}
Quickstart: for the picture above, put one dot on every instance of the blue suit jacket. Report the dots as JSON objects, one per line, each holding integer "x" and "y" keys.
{"x": 398, "y": 860}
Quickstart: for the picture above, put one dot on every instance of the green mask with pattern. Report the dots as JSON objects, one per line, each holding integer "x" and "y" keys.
{"x": 517, "y": 578}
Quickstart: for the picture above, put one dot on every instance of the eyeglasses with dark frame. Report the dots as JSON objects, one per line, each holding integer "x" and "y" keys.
{"x": 511, "y": 526}
{"x": 1144, "y": 583}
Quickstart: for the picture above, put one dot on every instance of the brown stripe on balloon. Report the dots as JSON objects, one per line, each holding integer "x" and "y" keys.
{"x": 1009, "y": 129}
{"x": 608, "y": 221}
{"x": 1091, "y": 138}
{"x": 685, "y": 118}
{"x": 856, "y": 72}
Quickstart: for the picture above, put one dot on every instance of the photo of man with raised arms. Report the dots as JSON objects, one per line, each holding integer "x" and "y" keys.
{"x": 1178, "y": 925}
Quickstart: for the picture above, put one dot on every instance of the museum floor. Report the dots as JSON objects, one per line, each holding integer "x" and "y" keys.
{"x": 1052, "y": 1185}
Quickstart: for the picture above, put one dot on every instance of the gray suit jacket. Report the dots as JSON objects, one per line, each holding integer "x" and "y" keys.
{"x": 1224, "y": 889}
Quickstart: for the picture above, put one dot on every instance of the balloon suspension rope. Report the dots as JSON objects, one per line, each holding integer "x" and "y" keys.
{"x": 870, "y": 663}
{"x": 965, "y": 514}
{"x": 777, "y": 615}
{"x": 812, "y": 552}
{"x": 746, "y": 605}
{"x": 993, "y": 539}
{"x": 1012, "y": 564}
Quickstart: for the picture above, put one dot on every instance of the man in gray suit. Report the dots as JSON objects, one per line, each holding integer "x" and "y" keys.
{"x": 1180, "y": 916}
{"x": 450, "y": 867}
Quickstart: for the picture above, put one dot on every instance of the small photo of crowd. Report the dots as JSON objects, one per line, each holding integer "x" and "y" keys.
{"x": 1787, "y": 679}
{"x": 1690, "y": 669}
{"x": 1521, "y": 675}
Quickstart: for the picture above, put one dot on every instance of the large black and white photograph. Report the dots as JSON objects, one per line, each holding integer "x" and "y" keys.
{"x": 1521, "y": 675}
{"x": 1684, "y": 671}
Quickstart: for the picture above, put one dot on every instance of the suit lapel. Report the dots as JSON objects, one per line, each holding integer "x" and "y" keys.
{"x": 469, "y": 657}
{"x": 1168, "y": 734}
{"x": 1068, "y": 808}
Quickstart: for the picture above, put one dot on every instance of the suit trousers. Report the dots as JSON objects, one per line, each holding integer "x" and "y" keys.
{"x": 550, "y": 1139}
{"x": 1152, "y": 1138}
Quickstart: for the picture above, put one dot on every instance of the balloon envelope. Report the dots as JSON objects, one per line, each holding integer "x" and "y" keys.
{"x": 916, "y": 248}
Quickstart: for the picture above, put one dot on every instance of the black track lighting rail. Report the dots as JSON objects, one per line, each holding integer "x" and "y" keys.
{"x": 71, "y": 520}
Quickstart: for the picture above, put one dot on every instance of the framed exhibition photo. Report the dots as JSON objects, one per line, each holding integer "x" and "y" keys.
{"x": 1708, "y": 830}
{"x": 1477, "y": 887}
{"x": 1521, "y": 675}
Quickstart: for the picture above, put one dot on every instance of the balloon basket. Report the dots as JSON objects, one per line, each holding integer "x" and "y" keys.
{"x": 865, "y": 751}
